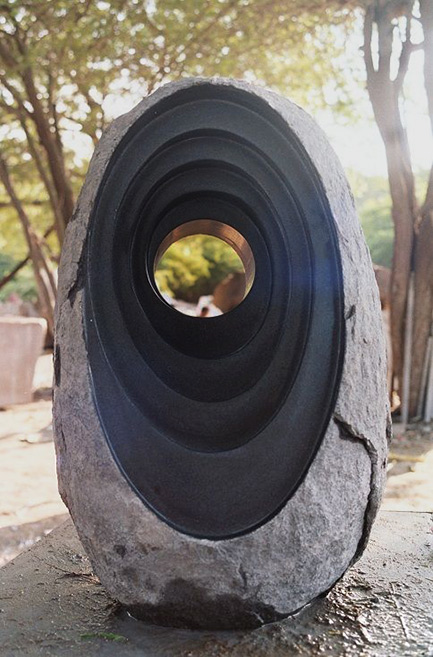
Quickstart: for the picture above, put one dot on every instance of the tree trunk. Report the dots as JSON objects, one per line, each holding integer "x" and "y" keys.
{"x": 423, "y": 312}
{"x": 423, "y": 307}
{"x": 43, "y": 118}
{"x": 43, "y": 275}
{"x": 404, "y": 217}
{"x": 57, "y": 210}
{"x": 384, "y": 96}
{"x": 54, "y": 156}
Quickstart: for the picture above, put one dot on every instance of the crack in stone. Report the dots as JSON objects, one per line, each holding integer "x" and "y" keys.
{"x": 57, "y": 367}
{"x": 79, "y": 279}
{"x": 348, "y": 432}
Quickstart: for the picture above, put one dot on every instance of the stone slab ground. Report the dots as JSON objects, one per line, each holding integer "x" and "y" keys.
{"x": 52, "y": 605}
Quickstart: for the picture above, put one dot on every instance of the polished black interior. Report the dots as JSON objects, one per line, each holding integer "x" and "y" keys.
{"x": 214, "y": 422}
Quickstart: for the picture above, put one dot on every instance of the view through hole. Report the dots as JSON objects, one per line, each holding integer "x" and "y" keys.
{"x": 204, "y": 268}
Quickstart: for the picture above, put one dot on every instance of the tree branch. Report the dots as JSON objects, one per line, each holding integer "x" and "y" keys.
{"x": 15, "y": 94}
{"x": 5, "y": 52}
{"x": 43, "y": 274}
{"x": 385, "y": 31}
{"x": 426, "y": 9}
{"x": 406, "y": 51}
{"x": 368, "y": 36}
{"x": 9, "y": 277}
{"x": 53, "y": 109}
{"x": 94, "y": 109}
{"x": 43, "y": 174}
{"x": 54, "y": 154}
{"x": 426, "y": 13}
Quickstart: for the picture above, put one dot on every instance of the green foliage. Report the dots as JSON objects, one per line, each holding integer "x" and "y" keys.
{"x": 194, "y": 265}
{"x": 373, "y": 204}
{"x": 23, "y": 283}
{"x": 90, "y": 61}
{"x": 85, "y": 57}
{"x": 379, "y": 231}
{"x": 13, "y": 246}
{"x": 6, "y": 264}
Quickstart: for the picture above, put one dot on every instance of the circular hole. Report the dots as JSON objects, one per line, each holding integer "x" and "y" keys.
{"x": 204, "y": 268}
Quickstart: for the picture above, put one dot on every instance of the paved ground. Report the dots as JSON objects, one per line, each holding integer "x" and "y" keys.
{"x": 30, "y": 505}
{"x": 52, "y": 606}
{"x": 410, "y": 470}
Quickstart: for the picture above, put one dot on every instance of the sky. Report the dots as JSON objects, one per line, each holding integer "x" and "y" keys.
{"x": 356, "y": 141}
{"x": 359, "y": 144}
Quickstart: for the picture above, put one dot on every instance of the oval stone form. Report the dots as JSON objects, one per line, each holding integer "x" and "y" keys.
{"x": 220, "y": 472}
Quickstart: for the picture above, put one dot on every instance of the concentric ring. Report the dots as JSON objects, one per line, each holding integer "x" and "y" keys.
{"x": 214, "y": 422}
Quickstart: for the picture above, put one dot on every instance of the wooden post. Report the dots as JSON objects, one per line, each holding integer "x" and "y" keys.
{"x": 428, "y": 412}
{"x": 407, "y": 353}
{"x": 425, "y": 373}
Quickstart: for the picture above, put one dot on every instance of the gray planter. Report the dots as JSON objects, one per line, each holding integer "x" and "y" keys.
{"x": 21, "y": 342}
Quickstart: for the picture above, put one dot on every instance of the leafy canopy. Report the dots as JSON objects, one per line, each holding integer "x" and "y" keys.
{"x": 193, "y": 267}
{"x": 88, "y": 61}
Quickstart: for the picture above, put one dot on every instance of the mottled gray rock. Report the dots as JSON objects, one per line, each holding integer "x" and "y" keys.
{"x": 174, "y": 579}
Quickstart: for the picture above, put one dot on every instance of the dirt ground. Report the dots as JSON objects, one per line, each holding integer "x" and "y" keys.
{"x": 30, "y": 505}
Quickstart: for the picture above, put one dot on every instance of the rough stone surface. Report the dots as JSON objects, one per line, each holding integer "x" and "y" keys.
{"x": 179, "y": 580}
{"x": 52, "y": 606}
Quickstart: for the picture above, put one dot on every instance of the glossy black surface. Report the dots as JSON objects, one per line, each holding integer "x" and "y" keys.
{"x": 214, "y": 422}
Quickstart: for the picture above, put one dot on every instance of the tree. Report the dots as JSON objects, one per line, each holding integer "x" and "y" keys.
{"x": 389, "y": 23}
{"x": 63, "y": 64}
{"x": 374, "y": 209}
{"x": 60, "y": 62}
{"x": 43, "y": 274}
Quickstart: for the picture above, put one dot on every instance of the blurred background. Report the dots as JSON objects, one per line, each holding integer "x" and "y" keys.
{"x": 362, "y": 68}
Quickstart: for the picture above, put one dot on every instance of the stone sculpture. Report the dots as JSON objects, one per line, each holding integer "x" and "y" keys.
{"x": 221, "y": 472}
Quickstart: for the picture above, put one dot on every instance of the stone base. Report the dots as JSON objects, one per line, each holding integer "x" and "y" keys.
{"x": 51, "y": 604}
